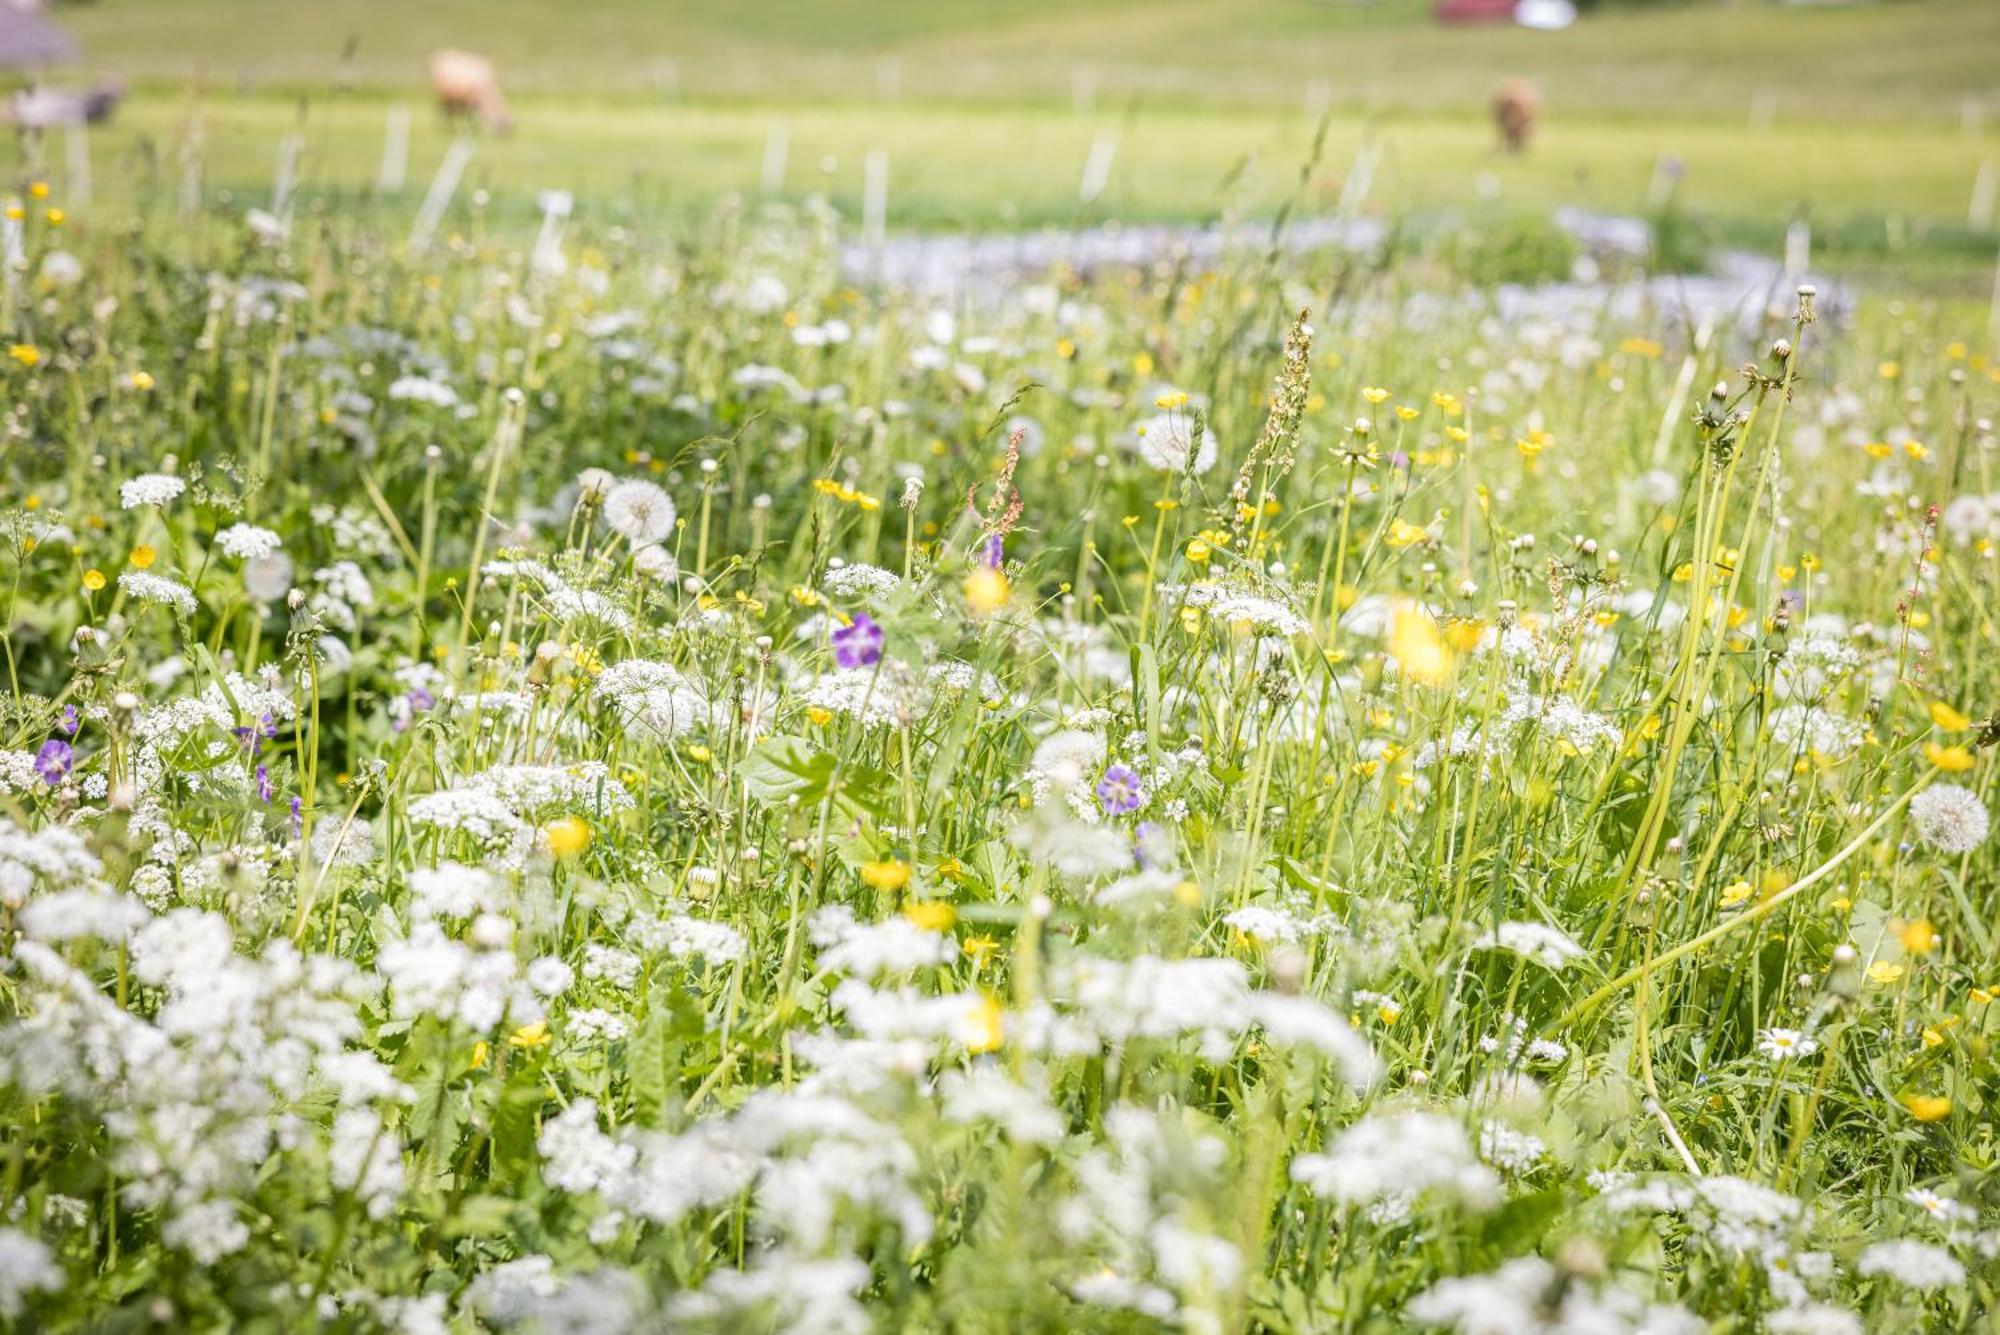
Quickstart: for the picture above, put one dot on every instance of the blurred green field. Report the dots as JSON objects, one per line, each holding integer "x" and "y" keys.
{"x": 982, "y": 166}
{"x": 1919, "y": 60}
{"x": 1867, "y": 121}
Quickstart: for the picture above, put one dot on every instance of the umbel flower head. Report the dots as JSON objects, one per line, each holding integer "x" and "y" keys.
{"x": 1949, "y": 818}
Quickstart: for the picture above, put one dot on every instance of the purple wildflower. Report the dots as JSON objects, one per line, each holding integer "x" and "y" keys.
{"x": 298, "y": 817}
{"x": 1119, "y": 790}
{"x": 71, "y": 721}
{"x": 53, "y": 761}
{"x": 252, "y": 738}
{"x": 858, "y": 644}
{"x": 264, "y": 782}
{"x": 996, "y": 551}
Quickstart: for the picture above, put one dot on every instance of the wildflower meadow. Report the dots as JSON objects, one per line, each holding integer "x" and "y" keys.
{"x": 565, "y": 776}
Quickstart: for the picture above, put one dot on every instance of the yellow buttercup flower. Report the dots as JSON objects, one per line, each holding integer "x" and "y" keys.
{"x": 1882, "y": 971}
{"x": 567, "y": 837}
{"x": 479, "y": 1055}
{"x": 933, "y": 915}
{"x": 1950, "y": 759}
{"x": 1927, "y": 1107}
{"x": 1402, "y": 534}
{"x": 143, "y": 556}
{"x": 529, "y": 1036}
{"x": 983, "y": 1032}
{"x": 1414, "y": 640}
{"x": 888, "y": 874}
{"x": 1918, "y": 937}
{"x": 93, "y": 580}
{"x": 1944, "y": 716}
{"x": 986, "y": 591}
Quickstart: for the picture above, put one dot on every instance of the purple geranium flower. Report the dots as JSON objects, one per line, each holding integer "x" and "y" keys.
{"x": 53, "y": 761}
{"x": 71, "y": 721}
{"x": 859, "y": 644}
{"x": 1119, "y": 790}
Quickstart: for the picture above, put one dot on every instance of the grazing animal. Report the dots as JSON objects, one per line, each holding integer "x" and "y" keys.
{"x": 1516, "y": 107}
{"x": 466, "y": 86}
{"x": 49, "y": 108}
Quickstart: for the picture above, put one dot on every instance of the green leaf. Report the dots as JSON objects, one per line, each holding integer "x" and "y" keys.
{"x": 782, "y": 767}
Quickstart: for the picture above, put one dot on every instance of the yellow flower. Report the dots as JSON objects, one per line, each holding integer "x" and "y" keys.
{"x": 1918, "y": 937}
{"x": 1735, "y": 893}
{"x": 143, "y": 556}
{"x": 1932, "y": 1038}
{"x": 38, "y": 190}
{"x": 25, "y": 353}
{"x": 1402, "y": 534}
{"x": 982, "y": 1033}
{"x": 93, "y": 579}
{"x": 1532, "y": 444}
{"x": 1944, "y": 716}
{"x": 1198, "y": 551}
{"x": 1950, "y": 759}
{"x": 1375, "y": 394}
{"x": 1414, "y": 640}
{"x": 479, "y": 1054}
{"x": 986, "y": 591}
{"x": 1927, "y": 1107}
{"x": 55, "y": 217}
{"x": 1881, "y": 971}
{"x": 142, "y": 380}
{"x": 933, "y": 915}
{"x": 529, "y": 1035}
{"x": 567, "y": 837}
{"x": 819, "y": 716}
{"x": 888, "y": 874}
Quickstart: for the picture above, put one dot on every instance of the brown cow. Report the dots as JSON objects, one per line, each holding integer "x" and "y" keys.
{"x": 1516, "y": 106}
{"x": 467, "y": 86}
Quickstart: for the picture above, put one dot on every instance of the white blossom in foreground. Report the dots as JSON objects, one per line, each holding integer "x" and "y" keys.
{"x": 1403, "y": 1154}
{"x": 1919, "y": 1265}
{"x": 1523, "y": 1297}
{"x": 1546, "y": 946}
{"x": 26, "y": 1266}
